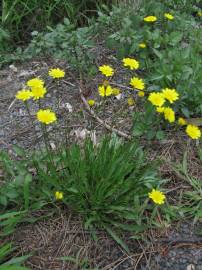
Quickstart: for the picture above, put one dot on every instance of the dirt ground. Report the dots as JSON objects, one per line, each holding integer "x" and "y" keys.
{"x": 177, "y": 246}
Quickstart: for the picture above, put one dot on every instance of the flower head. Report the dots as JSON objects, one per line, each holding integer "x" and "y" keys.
{"x": 105, "y": 91}
{"x": 46, "y": 116}
{"x": 142, "y": 45}
{"x": 91, "y": 102}
{"x": 182, "y": 121}
{"x": 150, "y": 19}
{"x": 157, "y": 196}
{"x": 38, "y": 92}
{"x": 193, "y": 132}
{"x": 156, "y": 99}
{"x": 106, "y": 70}
{"x": 131, "y": 63}
{"x": 160, "y": 109}
{"x": 170, "y": 94}
{"x": 131, "y": 101}
{"x": 168, "y": 16}
{"x": 56, "y": 73}
{"x": 199, "y": 14}
{"x": 116, "y": 91}
{"x": 59, "y": 195}
{"x": 140, "y": 94}
{"x": 137, "y": 83}
{"x": 169, "y": 114}
{"x": 35, "y": 82}
{"x": 24, "y": 94}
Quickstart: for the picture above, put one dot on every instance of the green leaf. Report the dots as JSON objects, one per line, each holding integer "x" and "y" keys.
{"x": 19, "y": 151}
{"x": 117, "y": 238}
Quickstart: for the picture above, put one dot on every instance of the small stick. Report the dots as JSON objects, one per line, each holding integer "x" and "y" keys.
{"x": 107, "y": 126}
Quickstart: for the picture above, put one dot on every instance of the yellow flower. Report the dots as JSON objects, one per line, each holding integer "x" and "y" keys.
{"x": 115, "y": 91}
{"x": 199, "y": 14}
{"x": 36, "y": 82}
{"x": 106, "y": 70}
{"x": 170, "y": 94}
{"x": 58, "y": 195}
{"x": 24, "y": 94}
{"x": 182, "y": 121}
{"x": 150, "y": 19}
{"x": 168, "y": 16}
{"x": 193, "y": 132}
{"x": 141, "y": 94}
{"x": 157, "y": 196}
{"x": 169, "y": 114}
{"x": 137, "y": 83}
{"x": 142, "y": 45}
{"x": 105, "y": 91}
{"x": 46, "y": 116}
{"x": 131, "y": 63}
{"x": 56, "y": 73}
{"x": 38, "y": 92}
{"x": 156, "y": 99}
{"x": 160, "y": 109}
{"x": 131, "y": 101}
{"x": 91, "y": 102}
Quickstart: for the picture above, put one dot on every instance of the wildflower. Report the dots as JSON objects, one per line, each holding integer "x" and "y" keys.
{"x": 182, "y": 121}
{"x": 106, "y": 70}
{"x": 150, "y": 19}
{"x": 131, "y": 63}
{"x": 140, "y": 94}
{"x": 56, "y": 73}
{"x": 193, "y": 132}
{"x": 170, "y": 94}
{"x": 35, "y": 82}
{"x": 115, "y": 91}
{"x": 168, "y": 16}
{"x": 91, "y": 102}
{"x": 24, "y": 94}
{"x": 137, "y": 83}
{"x": 160, "y": 109}
{"x": 199, "y": 14}
{"x": 142, "y": 45}
{"x": 131, "y": 101}
{"x": 58, "y": 195}
{"x": 38, "y": 92}
{"x": 105, "y": 91}
{"x": 169, "y": 114}
{"x": 157, "y": 196}
{"x": 156, "y": 99}
{"x": 46, "y": 116}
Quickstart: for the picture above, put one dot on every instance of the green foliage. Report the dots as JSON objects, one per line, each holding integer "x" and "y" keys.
{"x": 172, "y": 57}
{"x": 65, "y": 42}
{"x": 147, "y": 124}
{"x": 192, "y": 199}
{"x": 8, "y": 263}
{"x": 107, "y": 184}
{"x": 16, "y": 14}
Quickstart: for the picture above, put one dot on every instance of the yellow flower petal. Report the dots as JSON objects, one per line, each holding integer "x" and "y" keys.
{"x": 169, "y": 16}
{"x": 156, "y": 99}
{"x": 56, "y": 73}
{"x": 193, "y": 132}
{"x": 150, "y": 19}
{"x": 58, "y": 195}
{"x": 137, "y": 83}
{"x": 24, "y": 94}
{"x": 131, "y": 63}
{"x": 106, "y": 70}
{"x": 157, "y": 196}
{"x": 46, "y": 116}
